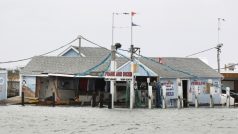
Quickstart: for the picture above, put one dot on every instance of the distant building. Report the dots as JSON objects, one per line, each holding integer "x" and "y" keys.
{"x": 230, "y": 78}
{"x": 13, "y": 82}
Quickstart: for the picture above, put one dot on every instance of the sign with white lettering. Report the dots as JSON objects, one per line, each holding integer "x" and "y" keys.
{"x": 118, "y": 76}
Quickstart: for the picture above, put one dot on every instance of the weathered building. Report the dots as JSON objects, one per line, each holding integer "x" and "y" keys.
{"x": 77, "y": 73}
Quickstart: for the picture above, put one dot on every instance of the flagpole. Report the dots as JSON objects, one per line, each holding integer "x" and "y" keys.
{"x": 112, "y": 28}
{"x": 113, "y": 21}
{"x": 131, "y": 29}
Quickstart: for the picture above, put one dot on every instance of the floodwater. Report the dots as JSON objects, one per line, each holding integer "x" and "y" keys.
{"x": 16, "y": 119}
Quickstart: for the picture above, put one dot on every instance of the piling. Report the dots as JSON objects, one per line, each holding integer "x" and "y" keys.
{"x": 196, "y": 101}
{"x": 101, "y": 99}
{"x": 22, "y": 99}
{"x": 227, "y": 97}
{"x": 110, "y": 101}
{"x": 94, "y": 100}
{"x": 53, "y": 99}
{"x": 164, "y": 102}
{"x": 211, "y": 101}
{"x": 179, "y": 102}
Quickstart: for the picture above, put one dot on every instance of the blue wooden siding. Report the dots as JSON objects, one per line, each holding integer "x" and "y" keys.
{"x": 141, "y": 70}
{"x": 71, "y": 53}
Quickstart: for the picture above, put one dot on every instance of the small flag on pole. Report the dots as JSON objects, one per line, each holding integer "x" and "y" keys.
{"x": 133, "y": 24}
{"x": 133, "y": 13}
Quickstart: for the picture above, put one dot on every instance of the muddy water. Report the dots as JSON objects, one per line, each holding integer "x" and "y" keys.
{"x": 75, "y": 120}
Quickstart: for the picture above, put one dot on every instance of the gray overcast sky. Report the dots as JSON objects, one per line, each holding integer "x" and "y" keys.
{"x": 173, "y": 28}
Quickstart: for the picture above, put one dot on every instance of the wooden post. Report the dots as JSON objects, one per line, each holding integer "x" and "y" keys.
{"x": 22, "y": 99}
{"x": 164, "y": 102}
{"x": 53, "y": 99}
{"x": 228, "y": 101}
{"x": 101, "y": 99}
{"x": 211, "y": 101}
{"x": 94, "y": 99}
{"x": 164, "y": 96}
{"x": 179, "y": 102}
{"x": 196, "y": 101}
{"x": 150, "y": 97}
{"x": 110, "y": 102}
{"x": 227, "y": 97}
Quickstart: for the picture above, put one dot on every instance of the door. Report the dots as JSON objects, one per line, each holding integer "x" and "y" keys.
{"x": 185, "y": 92}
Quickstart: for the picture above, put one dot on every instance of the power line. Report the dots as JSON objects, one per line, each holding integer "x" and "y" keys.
{"x": 102, "y": 46}
{"x": 41, "y": 54}
{"x": 176, "y": 70}
{"x": 93, "y": 43}
{"x": 201, "y": 52}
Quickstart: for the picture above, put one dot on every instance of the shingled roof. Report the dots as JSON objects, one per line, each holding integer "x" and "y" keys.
{"x": 173, "y": 67}
{"x": 92, "y": 51}
{"x": 65, "y": 65}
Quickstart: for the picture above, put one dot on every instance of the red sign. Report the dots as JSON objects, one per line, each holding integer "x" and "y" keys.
{"x": 118, "y": 74}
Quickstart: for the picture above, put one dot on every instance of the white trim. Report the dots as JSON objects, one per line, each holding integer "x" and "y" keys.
{"x": 82, "y": 55}
{"x": 155, "y": 74}
{"x": 66, "y": 50}
{"x": 39, "y": 75}
{"x": 123, "y": 65}
{"x": 229, "y": 72}
{"x": 89, "y": 76}
{"x": 63, "y": 75}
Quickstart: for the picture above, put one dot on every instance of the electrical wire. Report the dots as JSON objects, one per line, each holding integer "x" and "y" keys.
{"x": 200, "y": 52}
{"x": 41, "y": 54}
{"x": 93, "y": 43}
{"x": 94, "y": 67}
{"x": 103, "y": 47}
{"x": 171, "y": 68}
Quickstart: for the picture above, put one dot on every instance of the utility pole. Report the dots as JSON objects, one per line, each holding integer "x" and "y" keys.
{"x": 79, "y": 37}
{"x": 113, "y": 69}
{"x": 218, "y": 56}
{"x": 133, "y": 51}
{"x": 219, "y": 44}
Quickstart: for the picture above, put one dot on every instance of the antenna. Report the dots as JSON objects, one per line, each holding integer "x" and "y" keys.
{"x": 219, "y": 44}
